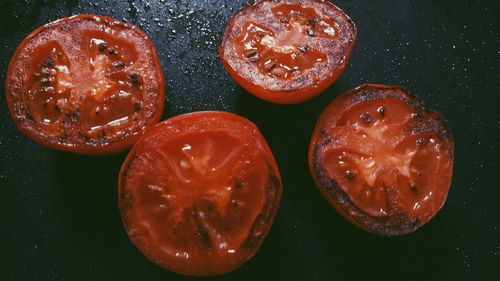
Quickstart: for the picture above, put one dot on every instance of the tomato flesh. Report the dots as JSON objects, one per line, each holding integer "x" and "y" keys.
{"x": 199, "y": 201}
{"x": 286, "y": 52}
{"x": 86, "y": 84}
{"x": 390, "y": 157}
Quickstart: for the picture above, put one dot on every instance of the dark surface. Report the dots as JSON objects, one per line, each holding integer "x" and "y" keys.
{"x": 58, "y": 213}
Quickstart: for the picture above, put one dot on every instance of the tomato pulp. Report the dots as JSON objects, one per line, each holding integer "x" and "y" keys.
{"x": 199, "y": 192}
{"x": 86, "y": 84}
{"x": 382, "y": 159}
{"x": 287, "y": 51}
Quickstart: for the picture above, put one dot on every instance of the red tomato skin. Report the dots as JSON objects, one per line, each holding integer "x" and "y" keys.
{"x": 338, "y": 198}
{"x": 111, "y": 148}
{"x": 294, "y": 96}
{"x": 191, "y": 269}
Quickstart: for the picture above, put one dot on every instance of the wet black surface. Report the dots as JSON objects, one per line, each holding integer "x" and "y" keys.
{"x": 58, "y": 214}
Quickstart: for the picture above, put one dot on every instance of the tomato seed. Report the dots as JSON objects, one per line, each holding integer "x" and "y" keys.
{"x": 102, "y": 47}
{"x": 46, "y": 80}
{"x": 57, "y": 108}
{"x": 312, "y": 21}
{"x": 137, "y": 106}
{"x": 366, "y": 118}
{"x": 134, "y": 78}
{"x": 381, "y": 111}
{"x": 112, "y": 52}
{"x": 45, "y": 71}
{"x": 238, "y": 185}
{"x": 303, "y": 48}
{"x": 311, "y": 32}
{"x": 349, "y": 175}
{"x": 420, "y": 141}
{"x": 118, "y": 64}
{"x": 413, "y": 188}
{"x": 49, "y": 62}
{"x": 283, "y": 20}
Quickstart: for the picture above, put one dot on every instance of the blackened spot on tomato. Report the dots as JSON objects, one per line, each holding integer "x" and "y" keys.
{"x": 118, "y": 64}
{"x": 327, "y": 140}
{"x": 283, "y": 20}
{"x": 57, "y": 108}
{"x": 97, "y": 112}
{"x": 303, "y": 48}
{"x": 45, "y": 104}
{"x": 113, "y": 52}
{"x": 413, "y": 188}
{"x": 102, "y": 47}
{"x": 49, "y": 62}
{"x": 420, "y": 141}
{"x": 366, "y": 118}
{"x": 239, "y": 185}
{"x": 134, "y": 77}
{"x": 381, "y": 111}
{"x": 349, "y": 175}
{"x": 311, "y": 33}
{"x": 137, "y": 106}
{"x": 203, "y": 238}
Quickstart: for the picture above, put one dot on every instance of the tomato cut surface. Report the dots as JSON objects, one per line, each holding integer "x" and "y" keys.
{"x": 199, "y": 192}
{"x": 87, "y": 84}
{"x": 287, "y": 51}
{"x": 382, "y": 159}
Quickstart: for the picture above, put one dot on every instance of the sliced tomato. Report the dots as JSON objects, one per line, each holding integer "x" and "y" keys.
{"x": 86, "y": 84}
{"x": 382, "y": 159}
{"x": 287, "y": 51}
{"x": 199, "y": 192}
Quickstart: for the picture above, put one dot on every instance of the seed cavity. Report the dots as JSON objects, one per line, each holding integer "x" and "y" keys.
{"x": 311, "y": 32}
{"x": 102, "y": 47}
{"x": 381, "y": 111}
{"x": 349, "y": 175}
{"x": 366, "y": 118}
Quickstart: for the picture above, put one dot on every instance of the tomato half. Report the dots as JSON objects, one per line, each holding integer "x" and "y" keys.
{"x": 287, "y": 51}
{"x": 382, "y": 159}
{"x": 199, "y": 192}
{"x": 86, "y": 84}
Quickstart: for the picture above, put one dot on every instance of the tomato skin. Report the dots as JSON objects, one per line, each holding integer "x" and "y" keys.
{"x": 16, "y": 93}
{"x": 304, "y": 86}
{"x": 198, "y": 259}
{"x": 400, "y": 218}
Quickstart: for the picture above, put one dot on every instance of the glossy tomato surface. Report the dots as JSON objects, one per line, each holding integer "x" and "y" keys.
{"x": 86, "y": 84}
{"x": 199, "y": 192}
{"x": 287, "y": 51}
{"x": 382, "y": 159}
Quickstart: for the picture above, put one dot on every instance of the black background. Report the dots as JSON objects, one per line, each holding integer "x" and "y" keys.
{"x": 58, "y": 211}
